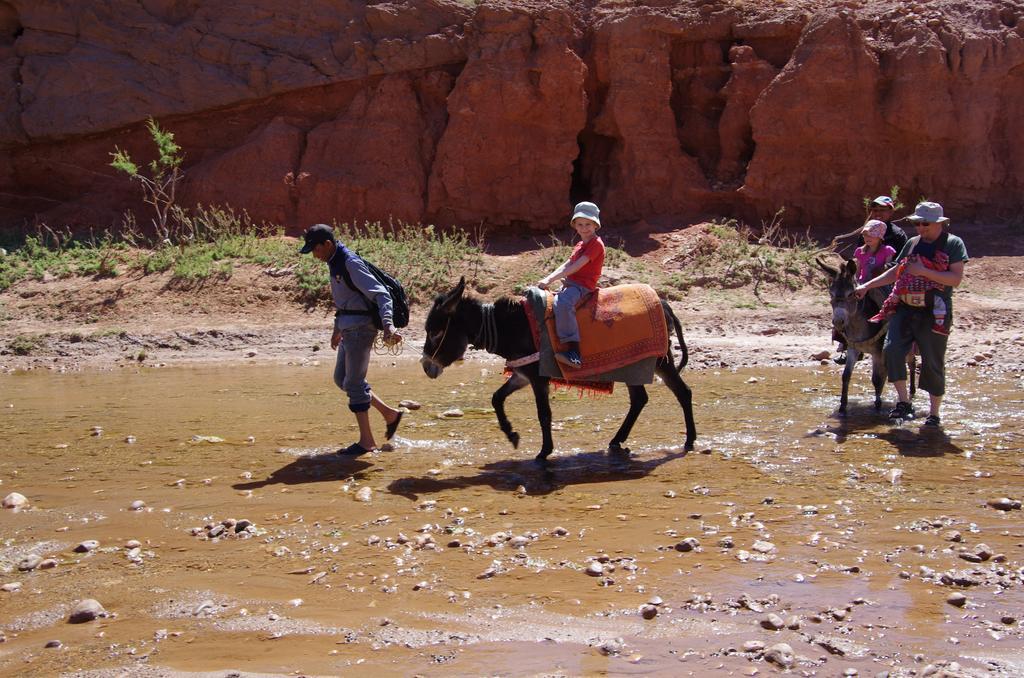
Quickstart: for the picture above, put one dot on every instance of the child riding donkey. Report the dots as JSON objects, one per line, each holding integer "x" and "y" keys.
{"x": 580, "y": 272}
{"x": 874, "y": 255}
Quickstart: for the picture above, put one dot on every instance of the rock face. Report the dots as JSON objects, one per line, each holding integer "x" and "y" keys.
{"x": 507, "y": 111}
{"x": 506, "y": 154}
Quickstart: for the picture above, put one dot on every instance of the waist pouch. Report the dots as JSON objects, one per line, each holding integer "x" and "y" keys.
{"x": 915, "y": 299}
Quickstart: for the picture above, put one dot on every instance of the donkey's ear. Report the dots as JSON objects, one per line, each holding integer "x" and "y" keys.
{"x": 830, "y": 270}
{"x": 851, "y": 267}
{"x": 451, "y": 301}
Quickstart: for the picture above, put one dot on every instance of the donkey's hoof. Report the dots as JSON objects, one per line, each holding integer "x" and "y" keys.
{"x": 542, "y": 457}
{"x": 688, "y": 446}
{"x": 513, "y": 438}
{"x": 617, "y": 448}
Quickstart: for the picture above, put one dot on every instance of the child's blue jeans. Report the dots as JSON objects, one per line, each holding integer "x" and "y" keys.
{"x": 565, "y": 311}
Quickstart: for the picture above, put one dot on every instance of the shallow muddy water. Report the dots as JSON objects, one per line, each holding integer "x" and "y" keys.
{"x": 454, "y": 554}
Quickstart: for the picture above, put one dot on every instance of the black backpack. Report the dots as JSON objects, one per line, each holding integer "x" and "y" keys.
{"x": 399, "y": 299}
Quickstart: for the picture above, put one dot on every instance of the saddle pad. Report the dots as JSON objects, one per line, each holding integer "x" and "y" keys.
{"x": 619, "y": 326}
{"x": 533, "y": 308}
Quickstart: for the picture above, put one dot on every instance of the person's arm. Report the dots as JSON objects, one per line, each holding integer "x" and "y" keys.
{"x": 886, "y": 278}
{"x": 952, "y": 278}
{"x": 376, "y": 292}
{"x": 569, "y": 267}
{"x": 575, "y": 265}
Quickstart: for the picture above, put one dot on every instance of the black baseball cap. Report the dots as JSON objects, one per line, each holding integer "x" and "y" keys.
{"x": 316, "y": 234}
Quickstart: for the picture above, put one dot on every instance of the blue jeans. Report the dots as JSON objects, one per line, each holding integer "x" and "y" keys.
{"x": 352, "y": 365}
{"x": 565, "y": 311}
{"x": 905, "y": 327}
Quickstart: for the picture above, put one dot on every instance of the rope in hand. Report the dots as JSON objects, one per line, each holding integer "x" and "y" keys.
{"x": 381, "y": 347}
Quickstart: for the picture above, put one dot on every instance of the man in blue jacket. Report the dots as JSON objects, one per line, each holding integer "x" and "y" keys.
{"x": 354, "y": 331}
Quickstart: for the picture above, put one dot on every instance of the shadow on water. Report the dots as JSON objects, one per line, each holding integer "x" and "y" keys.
{"x": 540, "y": 479}
{"x": 920, "y": 441}
{"x": 311, "y": 469}
{"x": 910, "y": 440}
{"x": 857, "y": 418}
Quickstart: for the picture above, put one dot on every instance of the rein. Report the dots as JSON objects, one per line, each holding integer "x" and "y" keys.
{"x": 871, "y": 339}
{"x": 881, "y": 331}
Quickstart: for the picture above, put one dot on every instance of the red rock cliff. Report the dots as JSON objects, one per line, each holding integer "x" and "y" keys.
{"x": 507, "y": 111}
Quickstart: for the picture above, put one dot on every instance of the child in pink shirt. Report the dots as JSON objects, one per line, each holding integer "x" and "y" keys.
{"x": 873, "y": 256}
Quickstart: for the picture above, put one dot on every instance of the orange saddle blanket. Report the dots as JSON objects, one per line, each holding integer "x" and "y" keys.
{"x": 619, "y": 326}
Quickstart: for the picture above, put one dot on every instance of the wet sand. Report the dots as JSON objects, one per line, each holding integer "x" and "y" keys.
{"x": 468, "y": 559}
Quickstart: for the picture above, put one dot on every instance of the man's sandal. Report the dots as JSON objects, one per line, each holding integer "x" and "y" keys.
{"x": 389, "y": 432}
{"x": 354, "y": 450}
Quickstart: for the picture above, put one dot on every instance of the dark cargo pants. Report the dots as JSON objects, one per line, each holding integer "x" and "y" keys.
{"x": 908, "y": 325}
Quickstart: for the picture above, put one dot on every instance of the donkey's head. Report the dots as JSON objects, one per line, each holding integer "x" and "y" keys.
{"x": 447, "y": 338}
{"x": 842, "y": 282}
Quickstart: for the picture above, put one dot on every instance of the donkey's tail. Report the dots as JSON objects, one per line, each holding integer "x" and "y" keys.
{"x": 685, "y": 357}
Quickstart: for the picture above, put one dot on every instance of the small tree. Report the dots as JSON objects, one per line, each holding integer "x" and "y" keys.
{"x": 894, "y": 193}
{"x": 160, "y": 186}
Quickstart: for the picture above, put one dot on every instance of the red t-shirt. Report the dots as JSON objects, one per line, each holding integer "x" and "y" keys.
{"x": 591, "y": 271}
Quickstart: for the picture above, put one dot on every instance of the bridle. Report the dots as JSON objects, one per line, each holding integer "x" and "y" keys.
{"x": 486, "y": 337}
{"x": 440, "y": 342}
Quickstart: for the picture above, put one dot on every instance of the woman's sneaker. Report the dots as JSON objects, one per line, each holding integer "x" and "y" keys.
{"x": 902, "y": 411}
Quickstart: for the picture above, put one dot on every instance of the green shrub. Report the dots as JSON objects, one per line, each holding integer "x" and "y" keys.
{"x": 727, "y": 254}
{"x": 158, "y": 260}
{"x": 730, "y": 255}
{"x": 24, "y": 344}
{"x": 160, "y": 185}
{"x": 312, "y": 280}
{"x": 426, "y": 260}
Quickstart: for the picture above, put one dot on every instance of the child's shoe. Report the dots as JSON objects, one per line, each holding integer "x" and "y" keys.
{"x": 570, "y": 358}
{"x": 840, "y": 357}
{"x": 940, "y": 326}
